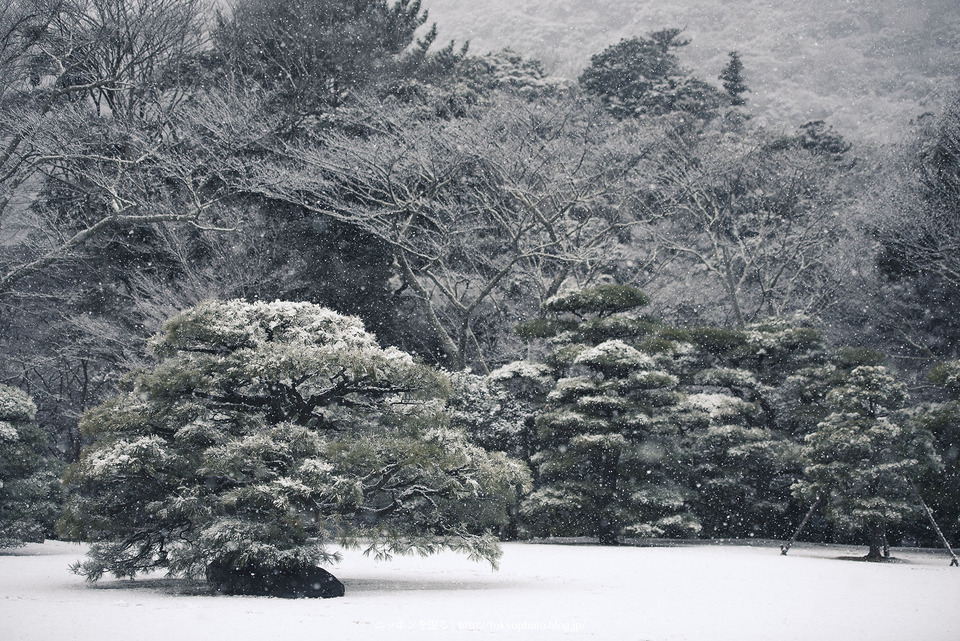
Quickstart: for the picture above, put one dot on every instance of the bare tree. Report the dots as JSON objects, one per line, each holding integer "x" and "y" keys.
{"x": 928, "y": 241}
{"x": 759, "y": 217}
{"x": 116, "y": 213}
{"x": 914, "y": 217}
{"x": 85, "y": 111}
{"x": 484, "y": 216}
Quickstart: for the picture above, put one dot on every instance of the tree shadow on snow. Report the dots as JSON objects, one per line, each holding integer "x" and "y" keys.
{"x": 188, "y": 587}
{"x": 375, "y": 584}
{"x": 865, "y": 559}
{"x": 44, "y": 549}
{"x": 165, "y": 585}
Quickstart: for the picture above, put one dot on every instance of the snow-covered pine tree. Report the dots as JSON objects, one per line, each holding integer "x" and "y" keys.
{"x": 720, "y": 440}
{"x": 865, "y": 455}
{"x": 264, "y": 434}
{"x": 498, "y": 410}
{"x": 643, "y": 76}
{"x": 29, "y": 483}
{"x": 604, "y": 460}
{"x": 740, "y": 465}
{"x": 739, "y": 451}
{"x": 733, "y": 83}
{"x": 941, "y": 490}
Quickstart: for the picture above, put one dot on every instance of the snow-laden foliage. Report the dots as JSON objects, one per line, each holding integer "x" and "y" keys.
{"x": 642, "y": 76}
{"x": 654, "y": 430}
{"x": 868, "y": 390}
{"x": 727, "y": 377}
{"x": 602, "y": 300}
{"x": 15, "y": 405}
{"x": 947, "y": 375}
{"x": 536, "y": 373}
{"x": 267, "y": 431}
{"x": 714, "y": 407}
{"x": 605, "y": 462}
{"x": 778, "y": 345}
{"x": 865, "y": 456}
{"x": 508, "y": 71}
{"x": 942, "y": 420}
{"x": 490, "y": 415}
{"x": 614, "y": 357}
{"x": 652, "y": 379}
{"x": 29, "y": 487}
{"x": 497, "y": 411}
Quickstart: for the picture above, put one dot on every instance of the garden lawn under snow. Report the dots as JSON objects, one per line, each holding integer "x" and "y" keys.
{"x": 692, "y": 592}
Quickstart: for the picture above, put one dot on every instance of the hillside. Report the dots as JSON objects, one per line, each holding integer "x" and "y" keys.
{"x": 866, "y": 66}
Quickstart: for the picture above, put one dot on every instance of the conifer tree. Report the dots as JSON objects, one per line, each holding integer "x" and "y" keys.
{"x": 741, "y": 448}
{"x": 733, "y": 82}
{"x": 736, "y": 459}
{"x": 266, "y": 432}
{"x": 941, "y": 488}
{"x": 29, "y": 488}
{"x": 700, "y": 436}
{"x": 605, "y": 459}
{"x": 313, "y": 52}
{"x": 820, "y": 138}
{"x": 863, "y": 458}
{"x": 643, "y": 76}
{"x": 498, "y": 412}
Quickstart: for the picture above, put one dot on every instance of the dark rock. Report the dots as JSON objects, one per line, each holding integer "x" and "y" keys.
{"x": 230, "y": 577}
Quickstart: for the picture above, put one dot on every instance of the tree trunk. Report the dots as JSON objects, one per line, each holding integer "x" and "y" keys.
{"x": 607, "y": 534}
{"x": 877, "y": 533}
{"x": 608, "y": 528}
{"x": 730, "y": 284}
{"x": 511, "y": 531}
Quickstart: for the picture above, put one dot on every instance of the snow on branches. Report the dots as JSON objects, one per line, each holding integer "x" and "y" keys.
{"x": 266, "y": 432}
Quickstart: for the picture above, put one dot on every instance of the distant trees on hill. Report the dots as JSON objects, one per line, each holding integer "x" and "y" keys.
{"x": 643, "y": 76}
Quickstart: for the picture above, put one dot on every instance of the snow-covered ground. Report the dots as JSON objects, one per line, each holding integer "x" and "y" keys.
{"x": 696, "y": 593}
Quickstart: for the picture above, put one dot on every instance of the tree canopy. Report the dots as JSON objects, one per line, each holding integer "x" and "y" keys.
{"x": 864, "y": 459}
{"x": 264, "y": 434}
{"x": 643, "y": 76}
{"x": 29, "y": 487}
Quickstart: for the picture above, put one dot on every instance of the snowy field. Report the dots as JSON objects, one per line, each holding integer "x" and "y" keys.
{"x": 695, "y": 593}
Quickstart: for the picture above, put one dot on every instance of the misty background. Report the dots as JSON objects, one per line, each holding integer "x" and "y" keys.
{"x": 866, "y": 66}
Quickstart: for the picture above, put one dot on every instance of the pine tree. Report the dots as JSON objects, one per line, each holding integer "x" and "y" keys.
{"x": 498, "y": 412}
{"x": 605, "y": 459}
{"x": 740, "y": 464}
{"x": 733, "y": 82}
{"x": 863, "y": 458}
{"x": 313, "y": 52}
{"x": 29, "y": 487}
{"x": 266, "y": 432}
{"x": 941, "y": 488}
{"x": 643, "y": 76}
{"x": 653, "y": 430}
{"x": 742, "y": 453}
{"x": 820, "y": 138}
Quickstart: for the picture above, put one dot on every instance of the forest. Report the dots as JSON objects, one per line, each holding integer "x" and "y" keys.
{"x": 276, "y": 274}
